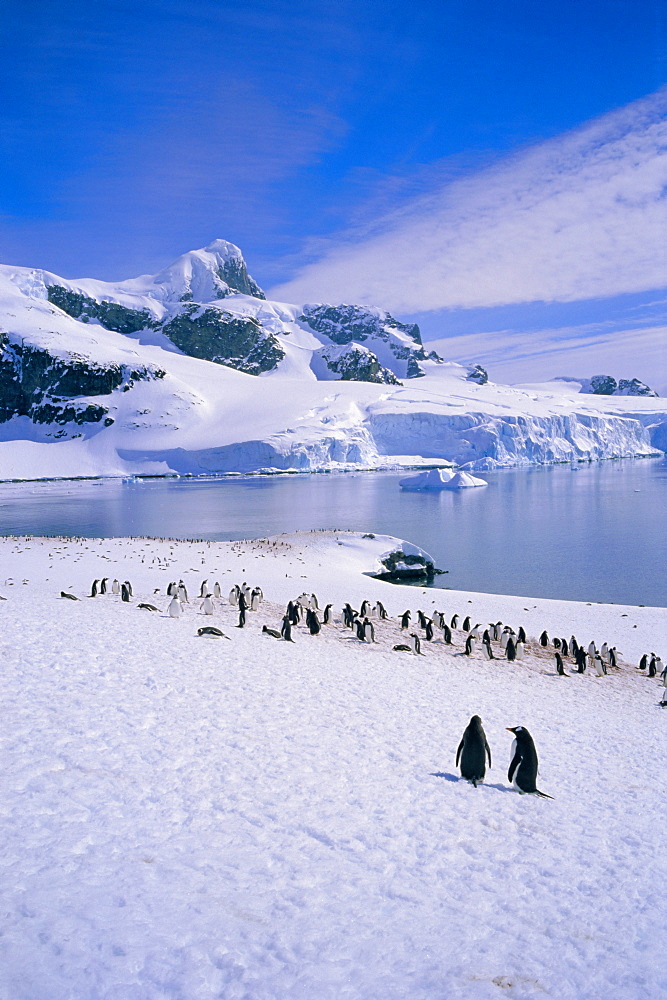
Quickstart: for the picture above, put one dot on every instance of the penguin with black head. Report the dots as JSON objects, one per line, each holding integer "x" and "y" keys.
{"x": 524, "y": 765}
{"x": 473, "y": 751}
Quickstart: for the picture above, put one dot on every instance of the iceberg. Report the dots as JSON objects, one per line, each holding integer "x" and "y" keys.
{"x": 432, "y": 479}
{"x": 463, "y": 480}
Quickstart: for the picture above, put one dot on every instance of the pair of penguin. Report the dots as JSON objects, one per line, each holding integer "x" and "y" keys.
{"x": 474, "y": 749}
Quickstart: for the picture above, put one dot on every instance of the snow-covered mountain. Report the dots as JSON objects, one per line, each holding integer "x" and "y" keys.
{"x": 192, "y": 370}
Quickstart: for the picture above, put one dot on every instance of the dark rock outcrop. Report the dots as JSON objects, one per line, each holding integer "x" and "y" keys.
{"x": 215, "y": 335}
{"x": 353, "y": 363}
{"x": 477, "y": 374}
{"x": 46, "y": 388}
{"x": 110, "y": 315}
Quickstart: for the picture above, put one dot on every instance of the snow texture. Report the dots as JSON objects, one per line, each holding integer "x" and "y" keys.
{"x": 254, "y": 819}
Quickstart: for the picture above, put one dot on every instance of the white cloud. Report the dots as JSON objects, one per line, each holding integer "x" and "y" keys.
{"x": 580, "y": 216}
{"x": 581, "y": 351}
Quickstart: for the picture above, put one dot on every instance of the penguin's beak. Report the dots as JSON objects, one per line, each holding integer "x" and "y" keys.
{"x": 510, "y": 730}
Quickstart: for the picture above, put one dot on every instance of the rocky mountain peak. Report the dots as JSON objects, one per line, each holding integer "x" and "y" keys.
{"x": 208, "y": 274}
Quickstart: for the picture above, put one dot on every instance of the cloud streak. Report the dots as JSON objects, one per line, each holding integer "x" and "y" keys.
{"x": 577, "y": 217}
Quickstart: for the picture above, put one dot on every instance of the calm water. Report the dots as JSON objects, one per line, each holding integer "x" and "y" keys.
{"x": 595, "y": 534}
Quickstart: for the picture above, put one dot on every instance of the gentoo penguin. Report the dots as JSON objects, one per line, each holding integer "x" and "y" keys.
{"x": 470, "y": 645}
{"x": 473, "y": 751}
{"x": 591, "y": 649}
{"x": 175, "y": 610}
{"x": 216, "y": 590}
{"x": 103, "y": 585}
{"x": 504, "y": 636}
{"x": 359, "y": 628}
{"x": 556, "y": 643}
{"x": 207, "y": 605}
{"x": 429, "y": 630}
{"x": 446, "y": 633}
{"x": 241, "y": 621}
{"x": 599, "y": 666}
{"x": 486, "y": 650}
{"x": 612, "y": 656}
{"x": 254, "y": 601}
{"x": 271, "y": 631}
{"x": 486, "y": 635}
{"x": 454, "y": 621}
{"x": 604, "y": 651}
{"x": 211, "y": 630}
{"x": 382, "y": 611}
{"x": 660, "y": 670}
{"x": 544, "y": 639}
{"x": 369, "y": 631}
{"x": 475, "y": 632}
{"x": 523, "y": 766}
{"x": 559, "y": 664}
{"x": 416, "y": 644}
{"x": 313, "y": 622}
{"x": 234, "y": 596}
{"x": 203, "y": 590}
{"x": 314, "y": 602}
{"x": 436, "y": 618}
{"x": 365, "y": 609}
{"x": 172, "y": 589}
{"x": 129, "y": 587}
{"x": 182, "y": 593}
{"x": 643, "y": 663}
{"x": 286, "y": 629}
{"x": 564, "y": 649}
{"x": 521, "y": 634}
{"x": 422, "y": 619}
{"x": 124, "y": 593}
{"x": 496, "y": 630}
{"x": 93, "y": 589}
{"x": 405, "y": 619}
{"x": 293, "y": 612}
{"x": 651, "y": 667}
{"x": 510, "y": 649}
{"x": 70, "y": 597}
{"x": 402, "y": 648}
{"x": 328, "y": 615}
{"x": 519, "y": 650}
{"x": 580, "y": 657}
{"x": 466, "y": 623}
{"x": 147, "y": 607}
{"x": 243, "y": 602}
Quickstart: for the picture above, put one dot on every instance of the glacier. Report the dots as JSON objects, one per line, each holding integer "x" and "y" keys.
{"x": 194, "y": 372}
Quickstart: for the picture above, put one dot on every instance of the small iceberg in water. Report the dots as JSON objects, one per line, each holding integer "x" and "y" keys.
{"x": 441, "y": 479}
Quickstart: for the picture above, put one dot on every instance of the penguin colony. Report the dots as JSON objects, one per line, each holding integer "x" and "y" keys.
{"x": 491, "y": 641}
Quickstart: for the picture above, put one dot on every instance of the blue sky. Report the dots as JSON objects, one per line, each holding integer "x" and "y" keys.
{"x": 132, "y": 132}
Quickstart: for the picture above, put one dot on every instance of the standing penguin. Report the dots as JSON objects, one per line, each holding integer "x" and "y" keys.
{"x": 466, "y": 623}
{"x": 472, "y": 752}
{"x": 234, "y": 596}
{"x": 524, "y": 766}
{"x": 559, "y": 664}
{"x": 365, "y": 609}
{"x": 429, "y": 630}
{"x": 286, "y": 629}
{"x": 203, "y": 590}
{"x": 643, "y": 662}
{"x": 416, "y": 644}
{"x": 405, "y": 619}
{"x": 115, "y": 587}
{"x": 93, "y": 589}
{"x": 216, "y": 590}
{"x": 313, "y": 622}
{"x": 510, "y": 649}
{"x": 382, "y": 611}
{"x": 580, "y": 657}
{"x": 486, "y": 649}
{"x": 103, "y": 585}
{"x": 454, "y": 622}
{"x": 446, "y": 633}
{"x": 175, "y": 610}
{"x": 521, "y": 634}
{"x": 328, "y": 615}
{"x": 182, "y": 593}
{"x": 207, "y": 605}
{"x": 544, "y": 639}
{"x": 129, "y": 588}
{"x": 519, "y": 650}
{"x": 369, "y": 631}
{"x": 124, "y": 593}
{"x": 470, "y": 645}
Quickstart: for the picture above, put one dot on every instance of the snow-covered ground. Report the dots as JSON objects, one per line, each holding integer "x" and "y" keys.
{"x": 250, "y": 819}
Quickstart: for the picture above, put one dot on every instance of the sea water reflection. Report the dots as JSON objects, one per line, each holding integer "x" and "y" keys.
{"x": 591, "y": 532}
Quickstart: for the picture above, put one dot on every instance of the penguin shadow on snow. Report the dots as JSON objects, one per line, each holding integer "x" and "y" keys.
{"x": 457, "y": 778}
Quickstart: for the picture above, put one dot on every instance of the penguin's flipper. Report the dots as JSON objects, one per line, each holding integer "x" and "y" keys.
{"x": 458, "y": 752}
{"x": 516, "y": 760}
{"x": 488, "y": 751}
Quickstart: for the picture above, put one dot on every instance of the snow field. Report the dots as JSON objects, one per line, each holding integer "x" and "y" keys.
{"x": 246, "y": 818}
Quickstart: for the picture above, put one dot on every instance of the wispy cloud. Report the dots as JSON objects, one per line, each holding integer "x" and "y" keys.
{"x": 580, "y": 216}
{"x": 580, "y": 351}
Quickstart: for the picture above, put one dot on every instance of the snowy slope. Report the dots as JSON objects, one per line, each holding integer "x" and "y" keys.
{"x": 247, "y": 818}
{"x": 193, "y": 371}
